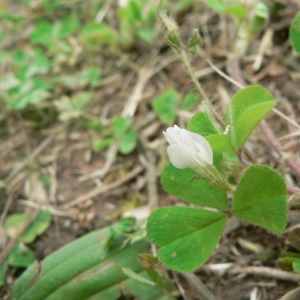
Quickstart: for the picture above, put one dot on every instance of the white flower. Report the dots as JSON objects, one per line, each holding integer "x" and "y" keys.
{"x": 191, "y": 150}
{"x": 187, "y": 149}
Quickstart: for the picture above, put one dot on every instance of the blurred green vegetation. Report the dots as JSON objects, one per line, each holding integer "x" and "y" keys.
{"x": 52, "y": 58}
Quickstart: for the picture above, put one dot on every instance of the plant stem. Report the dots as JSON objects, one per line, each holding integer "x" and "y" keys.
{"x": 192, "y": 75}
{"x": 208, "y": 108}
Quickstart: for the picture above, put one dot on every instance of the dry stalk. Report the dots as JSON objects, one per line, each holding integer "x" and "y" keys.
{"x": 266, "y": 272}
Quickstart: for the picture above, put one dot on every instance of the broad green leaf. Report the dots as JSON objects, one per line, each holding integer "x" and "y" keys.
{"x": 231, "y": 157}
{"x": 121, "y": 125}
{"x": 202, "y": 124}
{"x": 14, "y": 224}
{"x": 260, "y": 199}
{"x": 219, "y": 161}
{"x": 83, "y": 269}
{"x": 249, "y": 106}
{"x": 189, "y": 100}
{"x": 166, "y": 106}
{"x": 295, "y": 33}
{"x": 186, "y": 236}
{"x": 21, "y": 256}
{"x": 128, "y": 142}
{"x": 184, "y": 184}
{"x": 38, "y": 227}
{"x": 221, "y": 143}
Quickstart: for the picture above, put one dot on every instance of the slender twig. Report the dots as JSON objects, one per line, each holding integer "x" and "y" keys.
{"x": 240, "y": 84}
{"x": 151, "y": 178}
{"x": 150, "y": 165}
{"x": 179, "y": 286}
{"x": 291, "y": 121}
{"x": 267, "y": 272}
{"x": 50, "y": 208}
{"x": 195, "y": 282}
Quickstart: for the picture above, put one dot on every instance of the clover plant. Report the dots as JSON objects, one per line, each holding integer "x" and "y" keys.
{"x": 187, "y": 236}
{"x": 198, "y": 174}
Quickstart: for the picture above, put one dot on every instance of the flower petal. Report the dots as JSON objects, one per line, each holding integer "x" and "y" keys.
{"x": 177, "y": 157}
{"x": 206, "y": 157}
{"x": 189, "y": 150}
{"x": 197, "y": 138}
{"x": 172, "y": 134}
